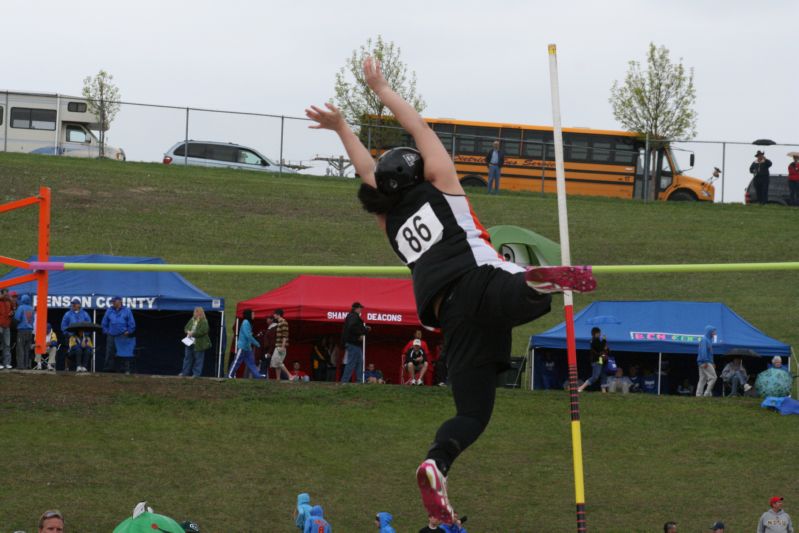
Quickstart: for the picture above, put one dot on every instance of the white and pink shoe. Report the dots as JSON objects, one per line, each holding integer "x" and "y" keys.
{"x": 433, "y": 486}
{"x": 548, "y": 279}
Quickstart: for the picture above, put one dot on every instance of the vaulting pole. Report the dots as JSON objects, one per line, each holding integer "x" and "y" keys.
{"x": 568, "y": 305}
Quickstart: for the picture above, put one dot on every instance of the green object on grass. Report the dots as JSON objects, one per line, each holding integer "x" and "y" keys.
{"x": 773, "y": 382}
{"x": 148, "y": 523}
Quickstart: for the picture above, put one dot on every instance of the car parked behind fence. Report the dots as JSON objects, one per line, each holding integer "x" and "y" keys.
{"x": 222, "y": 155}
{"x": 778, "y": 192}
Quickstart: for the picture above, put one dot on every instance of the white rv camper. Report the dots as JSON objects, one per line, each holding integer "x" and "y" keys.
{"x": 50, "y": 124}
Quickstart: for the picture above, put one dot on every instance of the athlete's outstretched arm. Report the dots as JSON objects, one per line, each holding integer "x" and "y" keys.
{"x": 438, "y": 167}
{"x": 331, "y": 119}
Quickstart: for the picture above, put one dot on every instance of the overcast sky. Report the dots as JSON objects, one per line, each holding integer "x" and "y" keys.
{"x": 474, "y": 60}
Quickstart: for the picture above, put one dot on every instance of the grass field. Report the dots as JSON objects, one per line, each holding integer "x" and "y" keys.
{"x": 233, "y": 455}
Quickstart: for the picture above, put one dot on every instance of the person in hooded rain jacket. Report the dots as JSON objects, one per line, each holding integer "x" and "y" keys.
{"x": 303, "y": 510}
{"x": 383, "y": 522}
{"x": 316, "y": 522}
{"x": 704, "y": 358}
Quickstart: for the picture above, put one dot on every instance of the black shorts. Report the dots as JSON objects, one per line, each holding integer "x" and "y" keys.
{"x": 478, "y": 312}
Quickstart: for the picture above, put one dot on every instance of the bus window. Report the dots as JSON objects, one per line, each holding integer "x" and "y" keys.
{"x": 625, "y": 152}
{"x": 600, "y": 152}
{"x": 576, "y": 150}
{"x": 444, "y": 132}
{"x": 666, "y": 176}
{"x": 510, "y": 141}
{"x": 486, "y": 138}
{"x": 465, "y": 142}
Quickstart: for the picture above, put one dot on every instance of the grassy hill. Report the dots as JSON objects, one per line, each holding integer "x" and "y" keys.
{"x": 233, "y": 455}
{"x": 196, "y": 215}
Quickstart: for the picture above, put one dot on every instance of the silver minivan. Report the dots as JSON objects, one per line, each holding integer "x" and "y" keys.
{"x": 222, "y": 155}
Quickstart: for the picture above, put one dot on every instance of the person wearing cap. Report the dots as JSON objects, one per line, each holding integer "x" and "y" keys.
{"x": 416, "y": 335}
{"x": 6, "y": 312}
{"x": 793, "y": 178}
{"x": 717, "y": 527}
{"x": 118, "y": 325}
{"x": 352, "y": 337}
{"x": 416, "y": 363}
{"x": 759, "y": 170}
{"x": 775, "y": 520}
{"x": 74, "y": 314}
{"x": 51, "y": 522}
{"x": 24, "y": 317}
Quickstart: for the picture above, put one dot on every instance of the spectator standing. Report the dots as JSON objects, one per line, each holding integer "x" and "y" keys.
{"x": 775, "y": 520}
{"x": 194, "y": 354}
{"x": 383, "y": 523}
{"x": 303, "y": 510}
{"x": 319, "y": 359}
{"x": 118, "y": 325}
{"x": 268, "y": 344}
{"x": 80, "y": 349}
{"x": 51, "y": 522}
{"x": 24, "y": 318}
{"x": 244, "y": 346}
{"x": 416, "y": 363}
{"x": 598, "y": 352}
{"x": 316, "y": 522}
{"x": 549, "y": 374}
{"x": 332, "y": 357}
{"x": 52, "y": 348}
{"x": 352, "y": 337}
{"x": 735, "y": 374}
{"x": 704, "y": 359}
{"x": 372, "y": 375}
{"x": 495, "y": 159}
{"x": 6, "y": 313}
{"x": 759, "y": 170}
{"x": 793, "y": 178}
{"x": 717, "y": 527}
{"x": 281, "y": 345}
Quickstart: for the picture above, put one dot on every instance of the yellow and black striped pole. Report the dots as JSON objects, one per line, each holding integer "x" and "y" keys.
{"x": 568, "y": 304}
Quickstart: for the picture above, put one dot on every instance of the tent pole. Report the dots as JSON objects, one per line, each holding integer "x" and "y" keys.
{"x": 221, "y": 340}
{"x": 660, "y": 357}
{"x": 94, "y": 342}
{"x": 363, "y": 357}
{"x": 531, "y": 366}
{"x": 792, "y": 357}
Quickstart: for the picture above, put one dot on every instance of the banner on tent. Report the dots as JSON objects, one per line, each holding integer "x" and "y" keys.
{"x": 688, "y": 338}
{"x": 95, "y": 301}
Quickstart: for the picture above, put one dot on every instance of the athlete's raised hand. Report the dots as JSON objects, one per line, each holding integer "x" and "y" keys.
{"x": 373, "y": 74}
{"x": 331, "y": 119}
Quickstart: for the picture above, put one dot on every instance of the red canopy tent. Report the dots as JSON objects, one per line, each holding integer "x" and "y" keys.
{"x": 316, "y": 306}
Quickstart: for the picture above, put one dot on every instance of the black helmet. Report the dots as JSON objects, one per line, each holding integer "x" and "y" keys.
{"x": 398, "y": 169}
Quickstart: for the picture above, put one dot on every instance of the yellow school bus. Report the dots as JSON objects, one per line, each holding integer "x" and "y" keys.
{"x": 597, "y": 162}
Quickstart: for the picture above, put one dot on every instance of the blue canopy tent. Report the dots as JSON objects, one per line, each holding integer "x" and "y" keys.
{"x": 162, "y": 303}
{"x": 661, "y": 327}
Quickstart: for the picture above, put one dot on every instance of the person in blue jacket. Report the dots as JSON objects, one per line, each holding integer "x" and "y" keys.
{"x": 75, "y": 314}
{"x": 383, "y": 522}
{"x": 118, "y": 325}
{"x": 704, "y": 358}
{"x": 244, "y": 348}
{"x": 303, "y": 510}
{"x": 24, "y": 318}
{"x": 316, "y": 522}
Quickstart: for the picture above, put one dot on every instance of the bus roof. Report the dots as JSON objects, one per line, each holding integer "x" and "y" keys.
{"x": 526, "y": 126}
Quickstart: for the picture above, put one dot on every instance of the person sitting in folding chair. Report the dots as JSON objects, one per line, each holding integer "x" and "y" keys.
{"x": 416, "y": 363}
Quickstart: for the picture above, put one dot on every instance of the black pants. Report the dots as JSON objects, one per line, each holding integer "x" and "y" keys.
{"x": 761, "y": 189}
{"x": 794, "y": 188}
{"x": 477, "y": 316}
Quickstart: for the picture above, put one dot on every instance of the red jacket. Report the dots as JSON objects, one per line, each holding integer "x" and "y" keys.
{"x": 6, "y": 310}
{"x": 793, "y": 171}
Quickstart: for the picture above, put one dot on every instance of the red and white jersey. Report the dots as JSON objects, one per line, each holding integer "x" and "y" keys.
{"x": 440, "y": 238}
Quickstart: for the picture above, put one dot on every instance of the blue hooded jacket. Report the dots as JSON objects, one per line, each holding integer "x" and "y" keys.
{"x": 24, "y": 313}
{"x": 316, "y": 523}
{"x": 705, "y": 354}
{"x": 70, "y": 317}
{"x": 116, "y": 322}
{"x": 246, "y": 340}
{"x": 303, "y": 509}
{"x": 384, "y": 519}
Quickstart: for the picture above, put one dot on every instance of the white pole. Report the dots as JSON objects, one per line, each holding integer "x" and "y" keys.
{"x": 660, "y": 356}
{"x": 532, "y": 368}
{"x": 363, "y": 358}
{"x": 94, "y": 342}
{"x": 221, "y": 340}
{"x": 792, "y": 357}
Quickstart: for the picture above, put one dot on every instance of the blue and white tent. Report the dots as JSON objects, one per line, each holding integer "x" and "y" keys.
{"x": 662, "y": 327}
{"x": 162, "y": 303}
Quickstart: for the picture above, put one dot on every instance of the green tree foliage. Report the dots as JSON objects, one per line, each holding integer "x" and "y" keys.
{"x": 361, "y": 106}
{"x": 102, "y": 97}
{"x": 659, "y": 101}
